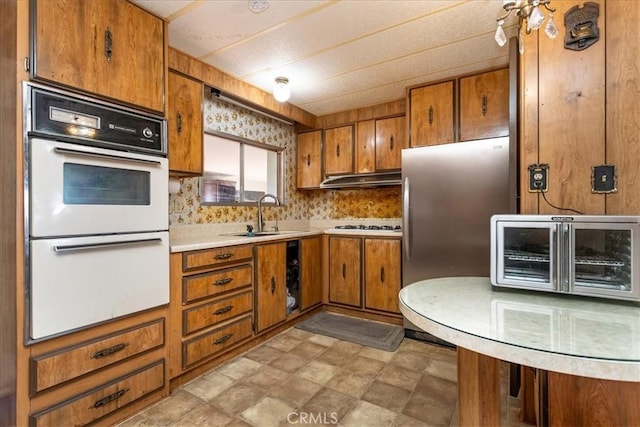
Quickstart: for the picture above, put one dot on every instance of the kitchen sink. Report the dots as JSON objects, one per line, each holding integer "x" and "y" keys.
{"x": 261, "y": 233}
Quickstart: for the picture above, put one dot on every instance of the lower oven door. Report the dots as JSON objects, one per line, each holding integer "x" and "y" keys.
{"x": 77, "y": 282}
{"x": 81, "y": 190}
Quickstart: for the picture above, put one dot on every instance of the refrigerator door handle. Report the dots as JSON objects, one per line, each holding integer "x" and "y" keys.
{"x": 406, "y": 218}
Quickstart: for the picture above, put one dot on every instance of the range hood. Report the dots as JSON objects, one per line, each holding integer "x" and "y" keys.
{"x": 363, "y": 180}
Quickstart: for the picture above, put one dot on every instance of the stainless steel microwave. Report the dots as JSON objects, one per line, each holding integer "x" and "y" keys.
{"x": 581, "y": 255}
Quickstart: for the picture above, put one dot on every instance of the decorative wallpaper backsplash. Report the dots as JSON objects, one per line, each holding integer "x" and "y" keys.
{"x": 185, "y": 208}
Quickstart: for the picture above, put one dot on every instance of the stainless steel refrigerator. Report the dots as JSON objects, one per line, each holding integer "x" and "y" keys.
{"x": 450, "y": 192}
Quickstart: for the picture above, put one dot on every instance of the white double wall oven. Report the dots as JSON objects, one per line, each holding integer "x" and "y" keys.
{"x": 96, "y": 211}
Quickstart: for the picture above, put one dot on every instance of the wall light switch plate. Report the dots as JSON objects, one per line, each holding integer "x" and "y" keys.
{"x": 604, "y": 179}
{"x": 538, "y": 177}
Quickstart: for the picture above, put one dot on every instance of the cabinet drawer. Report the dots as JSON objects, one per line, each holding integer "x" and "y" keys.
{"x": 215, "y": 283}
{"x": 104, "y": 399}
{"x": 50, "y": 369}
{"x": 211, "y": 257}
{"x": 215, "y": 312}
{"x": 197, "y": 349}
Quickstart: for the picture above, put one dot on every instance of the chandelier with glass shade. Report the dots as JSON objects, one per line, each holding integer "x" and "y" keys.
{"x": 530, "y": 17}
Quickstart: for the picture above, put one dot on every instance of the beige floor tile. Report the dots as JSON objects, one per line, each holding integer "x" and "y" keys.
{"x": 238, "y": 397}
{"x": 387, "y": 396}
{"x": 209, "y": 386}
{"x": 411, "y": 360}
{"x": 429, "y": 410}
{"x": 283, "y": 342}
{"x": 239, "y": 368}
{"x": 376, "y": 354}
{"x": 268, "y": 412}
{"x": 172, "y": 408}
{"x": 405, "y": 421}
{"x": 323, "y": 340}
{"x": 308, "y": 350}
{"x": 437, "y": 388}
{"x": 350, "y": 383}
{"x": 267, "y": 376}
{"x": 329, "y": 404}
{"x": 442, "y": 369}
{"x": 318, "y": 372}
{"x": 204, "y": 415}
{"x": 370, "y": 415}
{"x": 295, "y": 390}
{"x": 299, "y": 334}
{"x": 347, "y": 347}
{"x": 336, "y": 357}
{"x": 364, "y": 366}
{"x": 399, "y": 377}
{"x": 264, "y": 354}
{"x": 289, "y": 362}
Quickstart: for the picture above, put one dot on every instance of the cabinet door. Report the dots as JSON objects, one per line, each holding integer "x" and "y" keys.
{"x": 431, "y": 114}
{"x": 390, "y": 140}
{"x": 184, "y": 117}
{"x": 271, "y": 271}
{"x": 309, "y": 171}
{"x": 311, "y": 271}
{"x": 344, "y": 271}
{"x": 382, "y": 274}
{"x": 484, "y": 105}
{"x": 366, "y": 146}
{"x": 109, "y": 48}
{"x": 338, "y": 155}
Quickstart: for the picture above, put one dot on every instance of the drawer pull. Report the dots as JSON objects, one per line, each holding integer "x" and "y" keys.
{"x": 391, "y": 144}
{"x": 308, "y": 159}
{"x": 222, "y": 339}
{"x": 108, "y": 44}
{"x": 117, "y": 395}
{"x": 225, "y": 255}
{"x": 381, "y": 274}
{"x": 179, "y": 122}
{"x": 344, "y": 270}
{"x": 109, "y": 351}
{"x": 338, "y": 150}
{"x": 430, "y": 114}
{"x": 273, "y": 285}
{"x": 223, "y": 310}
{"x": 485, "y": 102}
{"x": 224, "y": 281}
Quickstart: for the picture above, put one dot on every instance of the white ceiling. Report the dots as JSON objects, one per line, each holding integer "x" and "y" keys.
{"x": 337, "y": 54}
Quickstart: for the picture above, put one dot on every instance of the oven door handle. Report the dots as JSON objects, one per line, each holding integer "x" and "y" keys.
{"x": 61, "y": 150}
{"x": 88, "y": 246}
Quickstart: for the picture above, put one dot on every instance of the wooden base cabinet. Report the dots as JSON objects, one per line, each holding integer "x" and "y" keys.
{"x": 271, "y": 288}
{"x": 113, "y": 49}
{"x": 345, "y": 264}
{"x": 382, "y": 274}
{"x": 211, "y": 304}
{"x": 310, "y": 272}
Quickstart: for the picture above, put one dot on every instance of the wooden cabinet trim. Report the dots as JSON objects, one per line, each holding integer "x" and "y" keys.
{"x": 211, "y": 313}
{"x": 217, "y": 282}
{"x": 206, "y": 345}
{"x": 70, "y": 363}
{"x": 193, "y": 260}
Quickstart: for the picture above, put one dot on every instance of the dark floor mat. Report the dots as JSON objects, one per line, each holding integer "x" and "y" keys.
{"x": 366, "y": 332}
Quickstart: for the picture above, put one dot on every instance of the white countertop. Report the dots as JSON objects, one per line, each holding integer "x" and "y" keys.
{"x": 574, "y": 335}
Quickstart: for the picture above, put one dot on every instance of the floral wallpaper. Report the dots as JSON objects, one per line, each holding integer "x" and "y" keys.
{"x": 185, "y": 208}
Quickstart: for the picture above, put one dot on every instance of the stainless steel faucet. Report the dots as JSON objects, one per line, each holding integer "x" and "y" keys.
{"x": 260, "y": 222}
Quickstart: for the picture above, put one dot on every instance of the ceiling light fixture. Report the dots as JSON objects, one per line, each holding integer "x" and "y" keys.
{"x": 530, "y": 17}
{"x": 257, "y": 6}
{"x": 281, "y": 90}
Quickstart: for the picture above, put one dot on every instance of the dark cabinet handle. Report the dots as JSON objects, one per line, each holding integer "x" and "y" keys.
{"x": 108, "y": 44}
{"x": 308, "y": 159}
{"x": 338, "y": 150}
{"x": 485, "y": 103}
{"x": 108, "y": 351}
{"x": 117, "y": 395}
{"x": 430, "y": 114}
{"x": 222, "y": 339}
{"x": 391, "y": 143}
{"x": 223, "y": 310}
{"x": 179, "y": 121}
{"x": 381, "y": 274}
{"x": 344, "y": 270}
{"x": 273, "y": 285}
{"x": 225, "y": 255}
{"x": 221, "y": 282}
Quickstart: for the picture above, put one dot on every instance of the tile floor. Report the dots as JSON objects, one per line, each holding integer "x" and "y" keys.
{"x": 301, "y": 378}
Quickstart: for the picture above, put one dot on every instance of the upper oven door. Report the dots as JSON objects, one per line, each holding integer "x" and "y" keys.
{"x": 81, "y": 190}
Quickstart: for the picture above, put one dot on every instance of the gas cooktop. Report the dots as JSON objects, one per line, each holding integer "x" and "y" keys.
{"x": 369, "y": 227}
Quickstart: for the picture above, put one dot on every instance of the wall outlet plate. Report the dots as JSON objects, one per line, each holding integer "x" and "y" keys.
{"x": 604, "y": 179}
{"x": 538, "y": 178}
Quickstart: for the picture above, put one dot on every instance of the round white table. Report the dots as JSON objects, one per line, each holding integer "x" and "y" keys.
{"x": 584, "y": 343}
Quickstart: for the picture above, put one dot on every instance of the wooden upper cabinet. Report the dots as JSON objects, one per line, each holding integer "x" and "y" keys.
{"x": 309, "y": 156}
{"x": 338, "y": 143}
{"x": 366, "y": 146}
{"x": 484, "y": 105}
{"x": 271, "y": 287}
{"x": 184, "y": 118}
{"x": 431, "y": 114}
{"x": 390, "y": 140}
{"x": 382, "y": 274}
{"x": 112, "y": 49}
{"x": 344, "y": 271}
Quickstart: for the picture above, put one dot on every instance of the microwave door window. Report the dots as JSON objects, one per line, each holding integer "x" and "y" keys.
{"x": 602, "y": 260}
{"x": 98, "y": 185}
{"x": 527, "y": 255}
